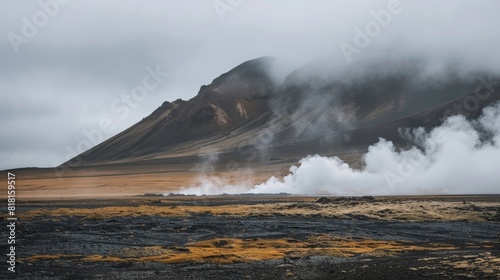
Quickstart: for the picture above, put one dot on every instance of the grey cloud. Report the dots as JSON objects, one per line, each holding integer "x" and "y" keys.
{"x": 92, "y": 52}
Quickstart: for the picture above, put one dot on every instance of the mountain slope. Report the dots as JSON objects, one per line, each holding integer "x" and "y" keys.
{"x": 319, "y": 108}
{"x": 228, "y": 102}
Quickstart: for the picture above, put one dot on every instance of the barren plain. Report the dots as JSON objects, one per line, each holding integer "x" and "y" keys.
{"x": 110, "y": 222}
{"x": 258, "y": 237}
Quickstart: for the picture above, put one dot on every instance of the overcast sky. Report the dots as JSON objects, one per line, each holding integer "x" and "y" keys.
{"x": 65, "y": 68}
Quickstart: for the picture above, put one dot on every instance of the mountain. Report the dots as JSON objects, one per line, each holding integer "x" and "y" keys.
{"x": 320, "y": 108}
{"x": 233, "y": 99}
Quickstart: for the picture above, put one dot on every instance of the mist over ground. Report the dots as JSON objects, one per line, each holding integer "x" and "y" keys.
{"x": 458, "y": 157}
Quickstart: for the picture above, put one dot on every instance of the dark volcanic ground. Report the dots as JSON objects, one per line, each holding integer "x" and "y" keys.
{"x": 55, "y": 246}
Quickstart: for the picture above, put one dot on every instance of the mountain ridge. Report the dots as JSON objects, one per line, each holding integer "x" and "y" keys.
{"x": 238, "y": 107}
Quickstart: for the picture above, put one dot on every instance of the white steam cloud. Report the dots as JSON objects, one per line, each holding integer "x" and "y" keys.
{"x": 208, "y": 181}
{"x": 458, "y": 157}
{"x": 455, "y": 159}
{"x": 213, "y": 185}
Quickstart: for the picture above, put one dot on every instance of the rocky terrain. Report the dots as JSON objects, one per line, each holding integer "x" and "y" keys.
{"x": 260, "y": 237}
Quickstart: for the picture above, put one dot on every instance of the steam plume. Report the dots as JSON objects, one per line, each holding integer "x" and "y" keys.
{"x": 458, "y": 157}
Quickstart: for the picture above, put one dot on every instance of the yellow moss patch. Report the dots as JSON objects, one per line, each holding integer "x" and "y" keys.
{"x": 485, "y": 262}
{"x": 237, "y": 250}
{"x": 99, "y": 258}
{"x": 388, "y": 211}
{"x": 349, "y": 247}
{"x": 106, "y": 212}
{"x": 48, "y": 257}
{"x": 231, "y": 250}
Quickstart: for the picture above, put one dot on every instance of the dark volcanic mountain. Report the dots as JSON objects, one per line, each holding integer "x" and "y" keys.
{"x": 233, "y": 99}
{"x": 319, "y": 108}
